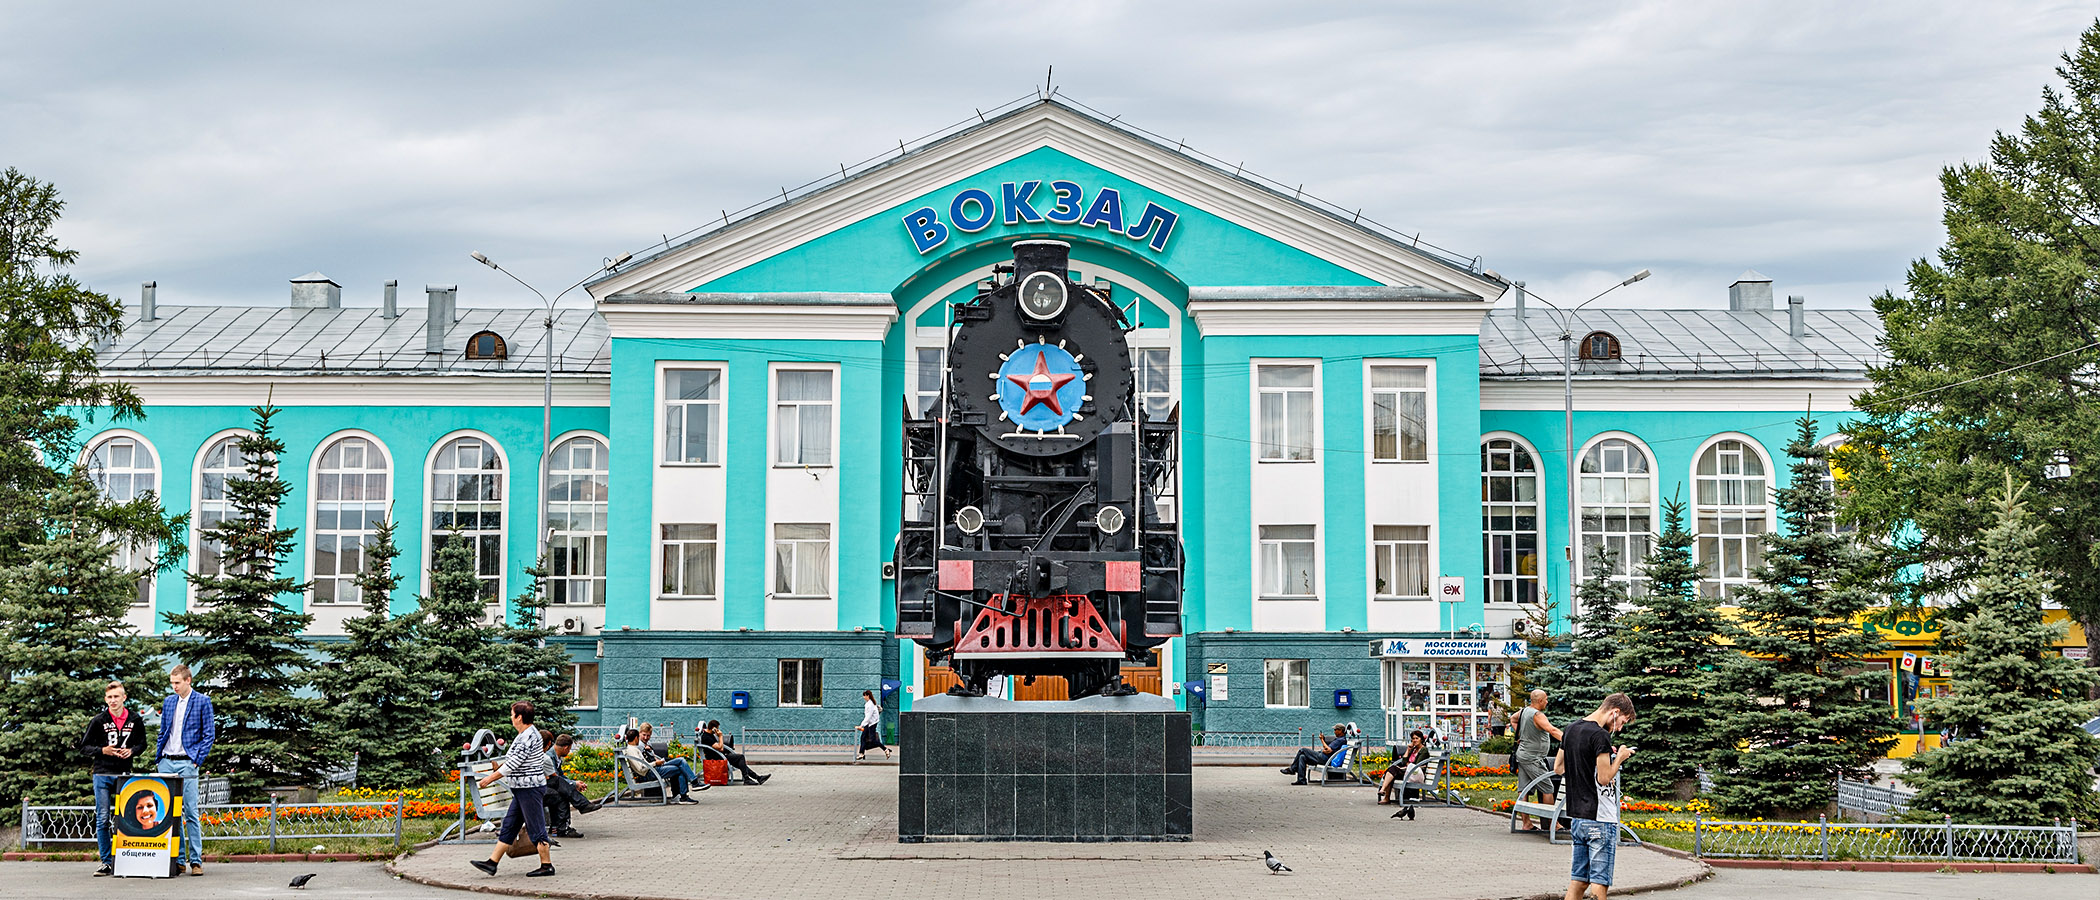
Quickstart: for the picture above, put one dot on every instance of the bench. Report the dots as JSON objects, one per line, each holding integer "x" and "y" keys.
{"x": 1553, "y": 812}
{"x": 633, "y": 778}
{"x": 488, "y": 804}
{"x": 704, "y": 752}
{"x": 1430, "y": 780}
{"x": 1342, "y": 768}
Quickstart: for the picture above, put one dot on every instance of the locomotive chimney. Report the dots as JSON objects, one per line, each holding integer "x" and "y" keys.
{"x": 1041, "y": 256}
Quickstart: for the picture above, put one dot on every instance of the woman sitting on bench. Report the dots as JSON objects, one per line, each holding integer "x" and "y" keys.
{"x": 1390, "y": 789}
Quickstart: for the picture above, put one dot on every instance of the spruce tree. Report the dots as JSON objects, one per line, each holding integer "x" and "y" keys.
{"x": 1814, "y": 723}
{"x": 1670, "y": 651}
{"x": 378, "y": 683}
{"x": 467, "y": 664}
{"x": 63, "y": 637}
{"x": 245, "y": 646}
{"x": 2016, "y": 703}
{"x": 533, "y": 665}
{"x": 1578, "y": 682}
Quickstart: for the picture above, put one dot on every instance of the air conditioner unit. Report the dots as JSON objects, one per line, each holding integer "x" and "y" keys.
{"x": 573, "y": 625}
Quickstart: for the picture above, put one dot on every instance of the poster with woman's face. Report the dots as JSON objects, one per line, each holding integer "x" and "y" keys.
{"x": 144, "y": 808}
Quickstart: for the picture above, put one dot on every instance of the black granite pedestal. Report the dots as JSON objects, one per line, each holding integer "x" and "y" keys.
{"x": 1098, "y": 769}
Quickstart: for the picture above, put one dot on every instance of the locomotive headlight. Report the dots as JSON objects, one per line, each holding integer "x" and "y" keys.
{"x": 1043, "y": 295}
{"x": 1109, "y": 520}
{"x": 970, "y": 519}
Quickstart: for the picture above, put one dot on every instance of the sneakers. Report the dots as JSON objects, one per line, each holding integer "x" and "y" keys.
{"x": 685, "y": 798}
{"x": 543, "y": 871}
{"x": 568, "y": 833}
{"x": 196, "y": 868}
{"x": 485, "y": 866}
{"x": 762, "y": 779}
{"x": 105, "y": 870}
{"x": 701, "y": 785}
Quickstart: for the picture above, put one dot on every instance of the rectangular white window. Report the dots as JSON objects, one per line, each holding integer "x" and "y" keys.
{"x": 1400, "y": 562}
{"x": 693, "y": 416}
{"x": 1287, "y": 561}
{"x": 802, "y": 560}
{"x": 801, "y": 682}
{"x": 1400, "y": 413}
{"x": 689, "y": 553}
{"x": 685, "y": 682}
{"x": 1284, "y": 683}
{"x": 1155, "y": 385}
{"x": 1286, "y": 414}
{"x": 802, "y": 418}
{"x": 583, "y": 685}
{"x": 927, "y": 392}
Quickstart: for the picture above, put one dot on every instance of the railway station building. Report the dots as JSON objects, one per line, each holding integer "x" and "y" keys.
{"x": 1374, "y": 487}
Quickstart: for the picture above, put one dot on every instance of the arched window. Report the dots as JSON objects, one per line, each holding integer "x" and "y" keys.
{"x": 1509, "y": 521}
{"x": 487, "y": 345}
{"x": 1835, "y": 480}
{"x": 124, "y": 469}
{"x": 576, "y": 487}
{"x": 223, "y": 461}
{"x": 1731, "y": 509}
{"x": 1618, "y": 507}
{"x": 1600, "y": 345}
{"x": 350, "y": 499}
{"x": 466, "y": 497}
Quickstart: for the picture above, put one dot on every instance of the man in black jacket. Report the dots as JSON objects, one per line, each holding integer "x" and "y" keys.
{"x": 115, "y": 737}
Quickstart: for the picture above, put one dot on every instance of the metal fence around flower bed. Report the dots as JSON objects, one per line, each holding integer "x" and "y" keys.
{"x": 272, "y": 822}
{"x": 1826, "y": 840}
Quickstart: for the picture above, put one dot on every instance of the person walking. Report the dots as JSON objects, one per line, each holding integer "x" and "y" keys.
{"x": 115, "y": 739}
{"x": 1590, "y": 766}
{"x": 524, "y": 771}
{"x": 1534, "y": 757}
{"x": 187, "y": 729}
{"x": 870, "y": 727}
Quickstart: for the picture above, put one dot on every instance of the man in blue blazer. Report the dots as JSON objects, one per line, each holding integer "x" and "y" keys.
{"x": 187, "y": 729}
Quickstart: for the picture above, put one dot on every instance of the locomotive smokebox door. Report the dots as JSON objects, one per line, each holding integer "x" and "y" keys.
{"x": 1042, "y": 365}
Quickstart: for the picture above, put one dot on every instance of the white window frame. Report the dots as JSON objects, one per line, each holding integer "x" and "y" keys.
{"x": 775, "y": 407}
{"x": 1428, "y": 394}
{"x": 433, "y": 535}
{"x": 801, "y": 666}
{"x": 1516, "y": 508}
{"x": 1269, "y": 553}
{"x": 576, "y": 684}
{"x": 927, "y": 396}
{"x": 129, "y": 555}
{"x": 1146, "y": 393}
{"x": 1312, "y": 396}
{"x": 1717, "y": 586}
{"x": 199, "y": 526}
{"x": 313, "y": 509}
{"x": 1389, "y": 550}
{"x": 560, "y": 543}
{"x": 1628, "y": 564}
{"x": 794, "y": 548}
{"x": 665, "y": 403}
{"x": 1838, "y": 525}
{"x": 685, "y": 674}
{"x": 665, "y": 545}
{"x": 1302, "y": 677}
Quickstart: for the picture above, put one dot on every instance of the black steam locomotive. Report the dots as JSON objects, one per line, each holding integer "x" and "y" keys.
{"x": 1031, "y": 544}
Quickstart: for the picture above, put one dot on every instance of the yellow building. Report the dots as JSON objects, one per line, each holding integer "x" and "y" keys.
{"x": 1914, "y": 638}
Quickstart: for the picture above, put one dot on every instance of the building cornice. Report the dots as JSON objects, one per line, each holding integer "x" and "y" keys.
{"x": 1215, "y": 318}
{"x": 718, "y": 319}
{"x": 1678, "y": 393}
{"x": 414, "y": 389}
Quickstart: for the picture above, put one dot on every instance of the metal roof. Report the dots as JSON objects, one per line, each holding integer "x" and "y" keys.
{"x": 356, "y": 341}
{"x": 1704, "y": 342}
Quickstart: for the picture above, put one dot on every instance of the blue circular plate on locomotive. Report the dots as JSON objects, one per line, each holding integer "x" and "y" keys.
{"x": 1041, "y": 387}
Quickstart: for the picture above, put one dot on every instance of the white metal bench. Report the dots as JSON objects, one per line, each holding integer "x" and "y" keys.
{"x": 486, "y": 804}
{"x": 1553, "y": 812}
{"x": 1430, "y": 781}
{"x": 1342, "y": 772}
{"x": 634, "y": 778}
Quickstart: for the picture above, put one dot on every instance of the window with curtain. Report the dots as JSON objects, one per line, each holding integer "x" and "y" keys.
{"x": 693, "y": 415}
{"x": 1509, "y": 521}
{"x": 583, "y": 684}
{"x": 1400, "y": 562}
{"x": 689, "y": 561}
{"x": 466, "y": 498}
{"x": 1284, "y": 683}
{"x": 350, "y": 500}
{"x": 1155, "y": 387}
{"x": 685, "y": 682}
{"x": 1286, "y": 412}
{"x": 1287, "y": 561}
{"x": 124, "y": 469}
{"x": 1617, "y": 491}
{"x": 223, "y": 461}
{"x": 801, "y": 682}
{"x": 927, "y": 395}
{"x": 802, "y": 560}
{"x": 1731, "y": 509}
{"x": 802, "y": 418}
{"x": 1400, "y": 413}
{"x": 578, "y": 480}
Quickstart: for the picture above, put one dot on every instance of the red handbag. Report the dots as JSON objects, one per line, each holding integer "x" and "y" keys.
{"x": 714, "y": 771}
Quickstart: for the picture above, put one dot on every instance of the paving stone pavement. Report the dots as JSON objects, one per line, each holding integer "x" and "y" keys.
{"x": 830, "y": 831}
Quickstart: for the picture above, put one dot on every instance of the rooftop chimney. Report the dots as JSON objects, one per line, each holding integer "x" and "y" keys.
{"x": 1750, "y": 291}
{"x": 314, "y": 290}
{"x": 1520, "y": 299}
{"x": 149, "y": 310}
{"x": 444, "y": 298}
{"x": 387, "y": 308}
{"x": 1797, "y": 316}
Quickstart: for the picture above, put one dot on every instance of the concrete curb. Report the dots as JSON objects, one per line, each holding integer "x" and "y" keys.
{"x": 89, "y": 856}
{"x": 1706, "y": 869}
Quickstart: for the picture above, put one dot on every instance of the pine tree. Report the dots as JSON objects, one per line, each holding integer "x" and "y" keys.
{"x": 378, "y": 685}
{"x": 467, "y": 665}
{"x": 63, "y": 638}
{"x": 2024, "y": 760}
{"x": 1578, "y": 682}
{"x": 1814, "y": 723}
{"x": 1670, "y": 648}
{"x": 532, "y": 665}
{"x": 246, "y": 648}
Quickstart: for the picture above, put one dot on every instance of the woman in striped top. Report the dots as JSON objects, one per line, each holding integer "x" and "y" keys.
{"x": 524, "y": 771}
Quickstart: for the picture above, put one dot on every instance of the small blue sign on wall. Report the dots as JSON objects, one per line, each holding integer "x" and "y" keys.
{"x": 739, "y": 699}
{"x": 1194, "y": 689}
{"x": 1343, "y": 699}
{"x": 890, "y": 687}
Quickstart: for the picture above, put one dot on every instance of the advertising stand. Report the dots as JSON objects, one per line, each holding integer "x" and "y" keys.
{"x": 148, "y": 813}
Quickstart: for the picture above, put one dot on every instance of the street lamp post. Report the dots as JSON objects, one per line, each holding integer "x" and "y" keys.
{"x": 547, "y": 393}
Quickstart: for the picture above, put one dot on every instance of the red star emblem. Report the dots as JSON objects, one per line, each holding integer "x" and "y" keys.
{"x": 1041, "y": 386}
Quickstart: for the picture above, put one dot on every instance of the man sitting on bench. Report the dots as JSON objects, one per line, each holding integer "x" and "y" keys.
{"x": 1313, "y": 756}
{"x": 561, "y": 792}
{"x": 676, "y": 774}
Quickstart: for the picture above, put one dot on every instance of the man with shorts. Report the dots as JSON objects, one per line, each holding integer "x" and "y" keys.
{"x": 1535, "y": 737}
{"x": 1591, "y": 768}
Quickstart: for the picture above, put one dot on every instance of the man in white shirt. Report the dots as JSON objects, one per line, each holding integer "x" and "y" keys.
{"x": 187, "y": 729}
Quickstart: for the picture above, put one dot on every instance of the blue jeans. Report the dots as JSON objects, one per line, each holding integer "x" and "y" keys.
{"x": 677, "y": 775}
{"x": 105, "y": 795}
{"x": 191, "y": 853}
{"x": 1596, "y": 849}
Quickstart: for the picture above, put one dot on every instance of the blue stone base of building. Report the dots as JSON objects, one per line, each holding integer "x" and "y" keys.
{"x": 1073, "y": 771}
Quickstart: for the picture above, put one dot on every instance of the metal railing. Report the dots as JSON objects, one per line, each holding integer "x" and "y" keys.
{"x": 273, "y": 822}
{"x": 747, "y": 738}
{"x": 1228, "y": 741}
{"x": 1873, "y": 800}
{"x": 1825, "y": 840}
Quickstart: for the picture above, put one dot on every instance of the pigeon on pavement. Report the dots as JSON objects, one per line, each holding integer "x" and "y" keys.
{"x": 1276, "y": 866}
{"x": 301, "y": 881}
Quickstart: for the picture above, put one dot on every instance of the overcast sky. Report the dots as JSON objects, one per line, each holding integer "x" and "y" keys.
{"x": 224, "y": 150}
